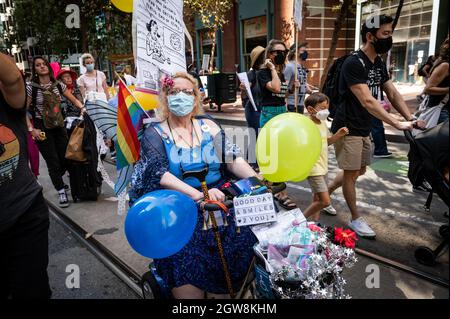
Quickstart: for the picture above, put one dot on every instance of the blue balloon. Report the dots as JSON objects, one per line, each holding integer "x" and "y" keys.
{"x": 161, "y": 223}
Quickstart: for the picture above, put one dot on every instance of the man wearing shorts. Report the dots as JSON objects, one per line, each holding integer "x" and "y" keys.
{"x": 363, "y": 76}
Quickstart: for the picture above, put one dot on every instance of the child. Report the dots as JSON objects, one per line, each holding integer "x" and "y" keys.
{"x": 317, "y": 106}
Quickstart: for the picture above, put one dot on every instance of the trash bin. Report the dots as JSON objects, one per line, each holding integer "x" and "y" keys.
{"x": 222, "y": 89}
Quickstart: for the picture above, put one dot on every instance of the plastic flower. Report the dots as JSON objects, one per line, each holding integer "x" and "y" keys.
{"x": 346, "y": 237}
{"x": 167, "y": 82}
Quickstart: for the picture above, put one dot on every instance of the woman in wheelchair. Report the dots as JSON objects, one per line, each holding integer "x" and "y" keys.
{"x": 175, "y": 153}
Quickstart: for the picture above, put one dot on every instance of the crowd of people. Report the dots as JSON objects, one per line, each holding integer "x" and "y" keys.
{"x": 39, "y": 114}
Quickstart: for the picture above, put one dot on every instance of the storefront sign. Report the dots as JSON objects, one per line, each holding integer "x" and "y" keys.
{"x": 256, "y": 27}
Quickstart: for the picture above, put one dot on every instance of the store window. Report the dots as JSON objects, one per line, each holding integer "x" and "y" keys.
{"x": 255, "y": 34}
{"x": 206, "y": 41}
{"x": 411, "y": 36}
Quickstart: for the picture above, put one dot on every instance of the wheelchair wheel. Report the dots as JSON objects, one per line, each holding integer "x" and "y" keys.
{"x": 443, "y": 231}
{"x": 150, "y": 287}
{"x": 425, "y": 256}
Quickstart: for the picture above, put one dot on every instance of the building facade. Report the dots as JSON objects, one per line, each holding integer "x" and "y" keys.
{"x": 422, "y": 27}
{"x": 256, "y": 22}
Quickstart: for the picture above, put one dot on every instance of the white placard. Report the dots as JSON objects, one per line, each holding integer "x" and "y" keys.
{"x": 244, "y": 80}
{"x": 160, "y": 42}
{"x": 298, "y": 15}
{"x": 253, "y": 210}
{"x": 205, "y": 62}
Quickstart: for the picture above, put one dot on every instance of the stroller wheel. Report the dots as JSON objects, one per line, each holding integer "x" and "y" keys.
{"x": 443, "y": 231}
{"x": 425, "y": 256}
{"x": 150, "y": 287}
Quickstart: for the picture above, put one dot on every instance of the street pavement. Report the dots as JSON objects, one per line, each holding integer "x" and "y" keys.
{"x": 67, "y": 255}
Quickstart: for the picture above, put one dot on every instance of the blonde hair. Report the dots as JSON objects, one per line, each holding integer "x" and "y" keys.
{"x": 163, "y": 107}
{"x": 86, "y": 56}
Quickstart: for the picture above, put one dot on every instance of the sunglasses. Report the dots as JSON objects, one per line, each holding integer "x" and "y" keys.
{"x": 280, "y": 52}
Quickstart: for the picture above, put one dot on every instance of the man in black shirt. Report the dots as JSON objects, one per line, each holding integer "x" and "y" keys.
{"x": 363, "y": 77}
{"x": 24, "y": 219}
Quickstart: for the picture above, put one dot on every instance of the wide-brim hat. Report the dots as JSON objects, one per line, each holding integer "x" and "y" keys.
{"x": 255, "y": 54}
{"x": 72, "y": 73}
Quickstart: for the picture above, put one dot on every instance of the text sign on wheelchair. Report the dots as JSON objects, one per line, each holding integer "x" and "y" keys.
{"x": 253, "y": 210}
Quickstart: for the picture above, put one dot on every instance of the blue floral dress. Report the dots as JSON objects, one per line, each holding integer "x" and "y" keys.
{"x": 198, "y": 263}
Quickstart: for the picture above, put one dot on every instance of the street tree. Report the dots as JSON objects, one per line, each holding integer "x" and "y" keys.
{"x": 213, "y": 14}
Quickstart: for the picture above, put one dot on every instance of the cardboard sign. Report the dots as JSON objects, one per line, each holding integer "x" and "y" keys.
{"x": 253, "y": 210}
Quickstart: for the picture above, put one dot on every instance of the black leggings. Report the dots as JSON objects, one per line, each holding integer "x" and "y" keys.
{"x": 53, "y": 150}
{"x": 24, "y": 255}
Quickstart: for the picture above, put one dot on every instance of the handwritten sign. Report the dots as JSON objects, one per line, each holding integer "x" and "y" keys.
{"x": 253, "y": 210}
{"x": 160, "y": 42}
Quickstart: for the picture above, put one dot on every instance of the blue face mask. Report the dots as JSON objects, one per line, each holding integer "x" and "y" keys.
{"x": 90, "y": 67}
{"x": 181, "y": 104}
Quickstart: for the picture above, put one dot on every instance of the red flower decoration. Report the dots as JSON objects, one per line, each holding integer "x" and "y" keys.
{"x": 345, "y": 238}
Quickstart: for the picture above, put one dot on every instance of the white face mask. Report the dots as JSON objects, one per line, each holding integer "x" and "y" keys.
{"x": 322, "y": 115}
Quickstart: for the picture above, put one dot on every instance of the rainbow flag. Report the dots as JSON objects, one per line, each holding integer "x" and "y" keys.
{"x": 129, "y": 125}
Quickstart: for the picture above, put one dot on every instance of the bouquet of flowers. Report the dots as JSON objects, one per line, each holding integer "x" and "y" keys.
{"x": 306, "y": 261}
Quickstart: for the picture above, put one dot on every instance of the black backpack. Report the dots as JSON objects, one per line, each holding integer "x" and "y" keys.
{"x": 331, "y": 87}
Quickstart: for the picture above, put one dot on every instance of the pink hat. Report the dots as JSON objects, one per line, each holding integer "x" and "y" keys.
{"x": 55, "y": 67}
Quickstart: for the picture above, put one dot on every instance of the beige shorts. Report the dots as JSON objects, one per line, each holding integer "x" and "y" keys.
{"x": 318, "y": 184}
{"x": 353, "y": 152}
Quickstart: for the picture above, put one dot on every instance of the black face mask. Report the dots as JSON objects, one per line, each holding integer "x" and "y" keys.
{"x": 279, "y": 59}
{"x": 382, "y": 46}
{"x": 304, "y": 56}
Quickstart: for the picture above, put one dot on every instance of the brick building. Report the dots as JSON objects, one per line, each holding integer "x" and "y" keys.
{"x": 255, "y": 22}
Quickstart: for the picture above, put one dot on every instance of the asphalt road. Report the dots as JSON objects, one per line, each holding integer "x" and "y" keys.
{"x": 67, "y": 255}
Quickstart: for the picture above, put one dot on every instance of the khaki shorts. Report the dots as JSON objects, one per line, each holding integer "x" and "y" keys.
{"x": 318, "y": 184}
{"x": 353, "y": 152}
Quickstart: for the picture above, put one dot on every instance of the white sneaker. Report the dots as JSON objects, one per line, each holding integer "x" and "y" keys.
{"x": 329, "y": 210}
{"x": 63, "y": 200}
{"x": 361, "y": 227}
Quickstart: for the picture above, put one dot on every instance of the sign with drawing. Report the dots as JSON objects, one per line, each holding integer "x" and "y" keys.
{"x": 159, "y": 40}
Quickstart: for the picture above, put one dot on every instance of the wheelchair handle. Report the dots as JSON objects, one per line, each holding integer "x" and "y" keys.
{"x": 215, "y": 207}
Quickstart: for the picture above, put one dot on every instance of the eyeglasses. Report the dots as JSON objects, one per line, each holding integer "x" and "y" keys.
{"x": 185, "y": 91}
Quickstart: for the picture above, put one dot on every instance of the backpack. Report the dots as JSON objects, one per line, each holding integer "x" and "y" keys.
{"x": 51, "y": 108}
{"x": 331, "y": 86}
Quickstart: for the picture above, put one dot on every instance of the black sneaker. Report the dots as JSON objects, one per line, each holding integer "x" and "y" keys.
{"x": 424, "y": 188}
{"x": 384, "y": 155}
{"x": 66, "y": 187}
{"x": 63, "y": 200}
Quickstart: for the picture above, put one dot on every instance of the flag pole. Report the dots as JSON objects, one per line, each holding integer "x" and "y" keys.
{"x": 131, "y": 93}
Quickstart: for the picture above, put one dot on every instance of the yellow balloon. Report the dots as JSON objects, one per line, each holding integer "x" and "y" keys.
{"x": 123, "y": 5}
{"x": 146, "y": 100}
{"x": 288, "y": 147}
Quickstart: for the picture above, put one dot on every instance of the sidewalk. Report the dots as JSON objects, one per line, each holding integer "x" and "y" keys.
{"x": 100, "y": 220}
{"x": 234, "y": 115}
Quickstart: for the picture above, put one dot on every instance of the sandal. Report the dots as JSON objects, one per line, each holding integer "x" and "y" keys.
{"x": 286, "y": 202}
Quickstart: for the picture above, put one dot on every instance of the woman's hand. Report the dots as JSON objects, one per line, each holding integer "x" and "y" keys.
{"x": 216, "y": 195}
{"x": 269, "y": 64}
{"x": 36, "y": 133}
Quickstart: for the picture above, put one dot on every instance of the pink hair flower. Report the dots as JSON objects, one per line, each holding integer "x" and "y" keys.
{"x": 167, "y": 82}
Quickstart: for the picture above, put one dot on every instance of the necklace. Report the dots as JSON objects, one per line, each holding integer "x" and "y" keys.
{"x": 191, "y": 145}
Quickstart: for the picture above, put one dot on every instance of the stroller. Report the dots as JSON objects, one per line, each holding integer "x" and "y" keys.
{"x": 429, "y": 161}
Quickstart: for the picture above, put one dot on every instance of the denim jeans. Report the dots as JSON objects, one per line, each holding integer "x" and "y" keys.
{"x": 378, "y": 136}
